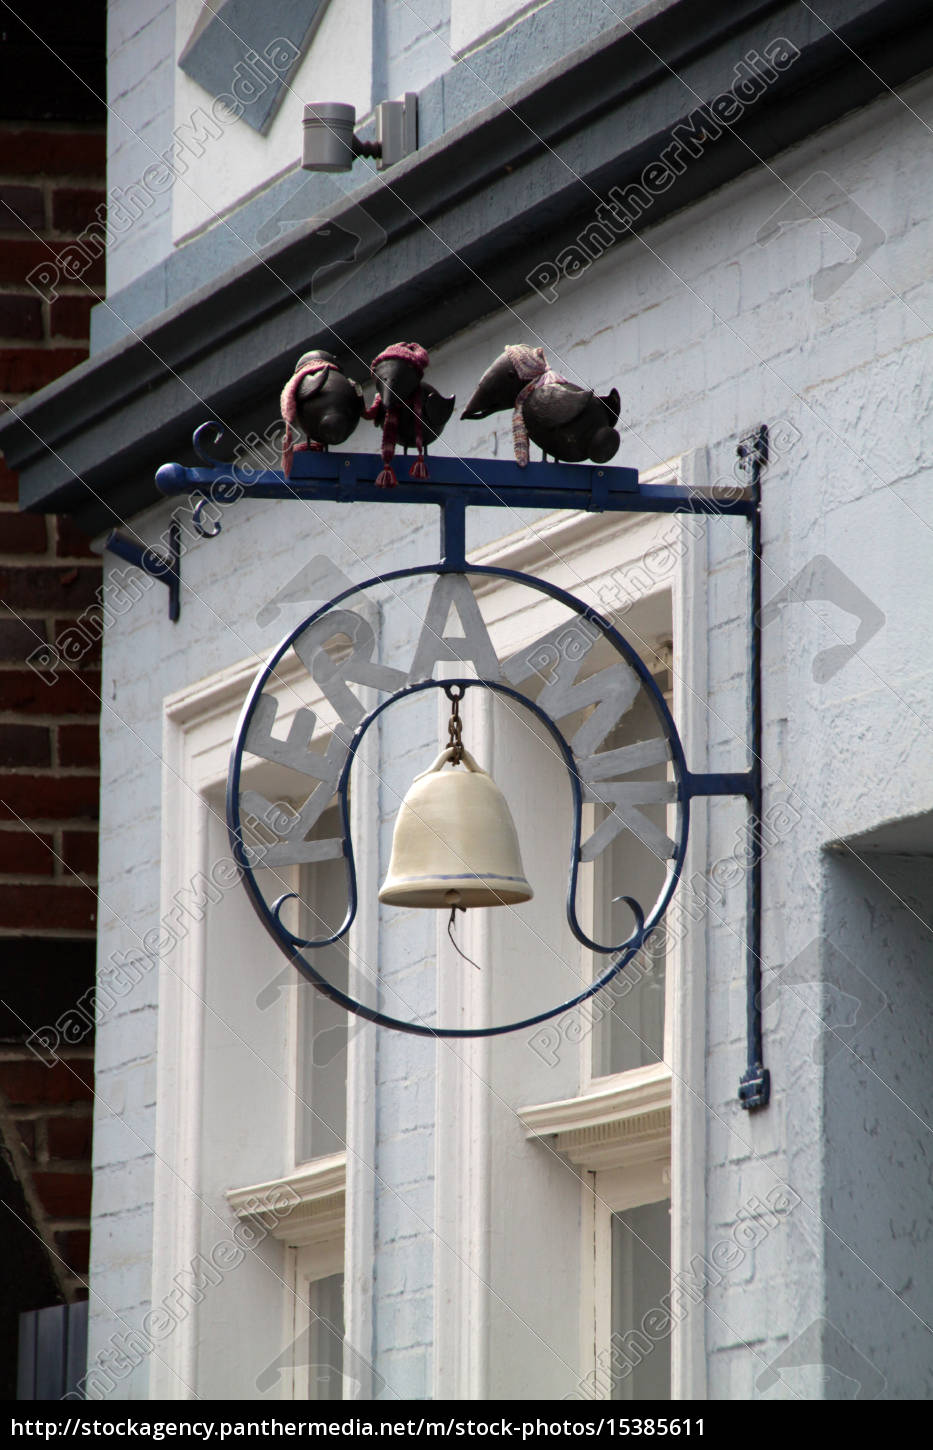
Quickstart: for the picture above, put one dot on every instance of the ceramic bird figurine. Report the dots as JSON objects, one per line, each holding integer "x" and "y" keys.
{"x": 324, "y": 402}
{"x": 409, "y": 410}
{"x": 568, "y": 422}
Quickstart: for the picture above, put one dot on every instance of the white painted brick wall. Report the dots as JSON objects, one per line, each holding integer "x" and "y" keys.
{"x": 852, "y": 487}
{"x": 140, "y": 96}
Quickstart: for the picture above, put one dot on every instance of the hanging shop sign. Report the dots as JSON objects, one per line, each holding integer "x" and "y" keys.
{"x": 455, "y": 845}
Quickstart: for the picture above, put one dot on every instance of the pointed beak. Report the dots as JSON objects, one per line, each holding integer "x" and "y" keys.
{"x": 495, "y": 392}
{"x": 492, "y": 394}
{"x": 474, "y": 408}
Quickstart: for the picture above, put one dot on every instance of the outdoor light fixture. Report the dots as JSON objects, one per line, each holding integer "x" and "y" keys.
{"x": 455, "y": 844}
{"x": 331, "y": 144}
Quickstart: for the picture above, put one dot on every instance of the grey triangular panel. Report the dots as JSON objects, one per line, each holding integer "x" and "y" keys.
{"x": 226, "y": 34}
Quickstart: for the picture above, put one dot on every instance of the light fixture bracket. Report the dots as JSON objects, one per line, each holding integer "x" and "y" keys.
{"x": 330, "y": 142}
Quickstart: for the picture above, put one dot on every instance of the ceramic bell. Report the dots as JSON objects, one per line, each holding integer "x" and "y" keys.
{"x": 455, "y": 842}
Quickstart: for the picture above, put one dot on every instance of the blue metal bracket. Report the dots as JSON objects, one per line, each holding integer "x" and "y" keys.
{"x": 460, "y": 483}
{"x": 755, "y": 1083}
{"x": 475, "y": 482}
{"x": 742, "y": 782}
{"x": 453, "y": 534}
{"x": 455, "y": 485}
{"x": 153, "y": 563}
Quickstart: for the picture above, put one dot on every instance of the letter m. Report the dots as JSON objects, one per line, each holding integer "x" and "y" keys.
{"x": 192, "y": 135}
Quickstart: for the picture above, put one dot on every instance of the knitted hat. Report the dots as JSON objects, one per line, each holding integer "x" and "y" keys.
{"x": 532, "y": 367}
{"x": 289, "y": 406}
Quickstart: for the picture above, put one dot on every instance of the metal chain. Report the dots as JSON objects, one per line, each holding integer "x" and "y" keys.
{"x": 455, "y": 727}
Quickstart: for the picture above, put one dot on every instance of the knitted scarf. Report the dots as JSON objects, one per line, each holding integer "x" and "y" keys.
{"x": 413, "y": 353}
{"x": 532, "y": 367}
{"x": 289, "y": 405}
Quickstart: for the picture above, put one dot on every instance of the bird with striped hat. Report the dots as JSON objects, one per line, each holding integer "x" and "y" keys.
{"x": 409, "y": 411}
{"x": 567, "y": 422}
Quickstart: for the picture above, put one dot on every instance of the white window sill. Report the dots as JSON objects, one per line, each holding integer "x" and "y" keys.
{"x": 316, "y": 1201}
{"x": 620, "y": 1121}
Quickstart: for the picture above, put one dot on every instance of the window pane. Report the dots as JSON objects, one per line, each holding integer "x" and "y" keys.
{"x": 321, "y": 1118}
{"x": 325, "y": 1305}
{"x": 641, "y": 1282}
{"x": 629, "y": 1026}
{"x": 630, "y": 1031}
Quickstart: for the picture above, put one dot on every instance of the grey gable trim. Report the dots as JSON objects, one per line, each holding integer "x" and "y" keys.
{"x": 500, "y": 200}
{"x": 227, "y": 36}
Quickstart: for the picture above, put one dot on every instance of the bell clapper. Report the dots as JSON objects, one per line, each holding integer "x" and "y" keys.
{"x": 455, "y": 694}
{"x": 450, "y": 933}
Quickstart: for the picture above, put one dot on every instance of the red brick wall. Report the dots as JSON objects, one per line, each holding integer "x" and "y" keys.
{"x": 46, "y": 1125}
{"x": 51, "y": 182}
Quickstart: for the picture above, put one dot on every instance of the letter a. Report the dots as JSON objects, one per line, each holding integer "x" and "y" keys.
{"x": 453, "y": 591}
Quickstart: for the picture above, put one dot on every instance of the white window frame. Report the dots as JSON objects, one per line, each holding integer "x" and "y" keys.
{"x": 314, "y": 1230}
{"x": 199, "y": 723}
{"x": 619, "y": 1135}
{"x": 647, "y": 1124}
{"x": 593, "y": 1081}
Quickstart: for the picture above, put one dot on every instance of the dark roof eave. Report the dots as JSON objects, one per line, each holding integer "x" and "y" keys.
{"x": 89, "y": 444}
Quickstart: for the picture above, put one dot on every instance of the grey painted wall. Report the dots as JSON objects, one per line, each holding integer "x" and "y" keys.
{"x": 147, "y": 273}
{"x": 876, "y": 987}
{"x": 141, "y": 98}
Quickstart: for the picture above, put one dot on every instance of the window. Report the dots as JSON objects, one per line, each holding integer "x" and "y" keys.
{"x": 323, "y": 1025}
{"x": 628, "y": 1024}
{"x": 595, "y": 1146}
{"x": 617, "y": 1129}
{"x": 233, "y": 1067}
{"x": 640, "y": 1275}
{"x": 319, "y": 1318}
{"x": 627, "y": 1050}
{"x": 325, "y": 1306}
{"x": 621, "y": 1134}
